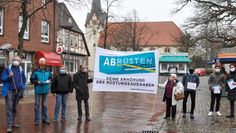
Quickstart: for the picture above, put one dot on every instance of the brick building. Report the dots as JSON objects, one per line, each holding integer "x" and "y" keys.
{"x": 39, "y": 35}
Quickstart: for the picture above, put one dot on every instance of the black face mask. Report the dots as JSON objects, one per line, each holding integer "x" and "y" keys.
{"x": 191, "y": 71}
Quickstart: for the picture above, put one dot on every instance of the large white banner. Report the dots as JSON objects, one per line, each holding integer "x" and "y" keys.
{"x": 117, "y": 71}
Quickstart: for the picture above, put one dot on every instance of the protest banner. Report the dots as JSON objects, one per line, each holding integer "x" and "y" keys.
{"x": 117, "y": 71}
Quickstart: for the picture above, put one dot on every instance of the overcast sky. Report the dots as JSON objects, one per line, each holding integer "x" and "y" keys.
{"x": 148, "y": 10}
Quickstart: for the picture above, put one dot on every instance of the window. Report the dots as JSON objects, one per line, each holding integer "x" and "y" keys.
{"x": 1, "y": 21}
{"x": 181, "y": 67}
{"x": 45, "y": 31}
{"x": 43, "y": 3}
{"x": 167, "y": 50}
{"x": 26, "y": 34}
{"x": 164, "y": 66}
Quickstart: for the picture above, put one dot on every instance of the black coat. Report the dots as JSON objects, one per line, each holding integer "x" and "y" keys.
{"x": 62, "y": 84}
{"x": 231, "y": 93}
{"x": 80, "y": 83}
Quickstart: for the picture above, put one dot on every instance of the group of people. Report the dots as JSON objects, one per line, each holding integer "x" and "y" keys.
{"x": 14, "y": 83}
{"x": 218, "y": 81}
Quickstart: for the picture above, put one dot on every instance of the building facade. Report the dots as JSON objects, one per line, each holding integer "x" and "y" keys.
{"x": 70, "y": 40}
{"x": 39, "y": 34}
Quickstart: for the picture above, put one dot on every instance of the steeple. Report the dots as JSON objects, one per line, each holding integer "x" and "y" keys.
{"x": 96, "y": 10}
{"x": 96, "y": 6}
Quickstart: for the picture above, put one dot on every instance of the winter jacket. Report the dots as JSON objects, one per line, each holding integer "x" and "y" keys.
{"x": 7, "y": 81}
{"x": 216, "y": 79}
{"x": 231, "y": 93}
{"x": 179, "y": 88}
{"x": 42, "y": 76}
{"x": 190, "y": 78}
{"x": 80, "y": 83}
{"x": 62, "y": 84}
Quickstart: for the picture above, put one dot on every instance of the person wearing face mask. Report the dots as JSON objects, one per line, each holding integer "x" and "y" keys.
{"x": 80, "y": 83}
{"x": 41, "y": 79}
{"x": 61, "y": 86}
{"x": 231, "y": 91}
{"x": 14, "y": 82}
{"x": 172, "y": 86}
{"x": 216, "y": 85}
{"x": 191, "y": 83}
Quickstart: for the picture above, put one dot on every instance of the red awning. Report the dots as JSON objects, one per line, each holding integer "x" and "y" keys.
{"x": 52, "y": 58}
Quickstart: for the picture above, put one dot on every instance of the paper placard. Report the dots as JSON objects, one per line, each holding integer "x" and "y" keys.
{"x": 191, "y": 86}
{"x": 216, "y": 89}
{"x": 230, "y": 84}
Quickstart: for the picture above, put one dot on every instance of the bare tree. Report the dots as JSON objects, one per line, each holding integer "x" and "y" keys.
{"x": 131, "y": 33}
{"x": 217, "y": 16}
{"x": 27, "y": 14}
{"x": 110, "y": 4}
{"x": 188, "y": 41}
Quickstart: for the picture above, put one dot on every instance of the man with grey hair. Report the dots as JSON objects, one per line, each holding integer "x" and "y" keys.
{"x": 14, "y": 82}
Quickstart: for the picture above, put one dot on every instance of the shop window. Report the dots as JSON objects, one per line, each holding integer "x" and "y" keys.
{"x": 164, "y": 66}
{"x": 181, "y": 67}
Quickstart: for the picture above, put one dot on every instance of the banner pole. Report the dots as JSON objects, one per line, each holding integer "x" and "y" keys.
{"x": 153, "y": 107}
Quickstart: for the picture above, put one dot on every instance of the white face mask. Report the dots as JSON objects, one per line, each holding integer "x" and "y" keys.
{"x": 217, "y": 70}
{"x": 16, "y": 63}
{"x": 232, "y": 69}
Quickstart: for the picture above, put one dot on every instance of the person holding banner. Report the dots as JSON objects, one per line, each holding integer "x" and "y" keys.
{"x": 216, "y": 85}
{"x": 80, "y": 83}
{"x": 172, "y": 86}
{"x": 190, "y": 82}
{"x": 230, "y": 88}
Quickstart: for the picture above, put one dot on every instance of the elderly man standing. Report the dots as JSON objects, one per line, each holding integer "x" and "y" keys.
{"x": 14, "y": 82}
{"x": 80, "y": 82}
{"x": 41, "y": 79}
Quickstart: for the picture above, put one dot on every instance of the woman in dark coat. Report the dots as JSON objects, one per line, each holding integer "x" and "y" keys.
{"x": 231, "y": 92}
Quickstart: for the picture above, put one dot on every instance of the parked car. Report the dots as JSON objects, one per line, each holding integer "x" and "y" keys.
{"x": 200, "y": 71}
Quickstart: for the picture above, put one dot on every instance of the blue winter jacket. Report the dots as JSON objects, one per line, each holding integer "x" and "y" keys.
{"x": 190, "y": 78}
{"x": 42, "y": 76}
{"x": 6, "y": 80}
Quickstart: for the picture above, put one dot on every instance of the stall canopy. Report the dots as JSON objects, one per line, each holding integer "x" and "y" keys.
{"x": 227, "y": 58}
{"x": 175, "y": 59}
{"x": 52, "y": 58}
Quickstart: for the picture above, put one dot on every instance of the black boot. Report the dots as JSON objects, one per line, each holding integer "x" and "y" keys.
{"x": 229, "y": 116}
{"x": 88, "y": 118}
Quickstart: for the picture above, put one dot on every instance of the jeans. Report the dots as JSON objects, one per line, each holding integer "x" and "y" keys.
{"x": 44, "y": 112}
{"x": 12, "y": 99}
{"x": 86, "y": 107}
{"x": 169, "y": 106}
{"x": 61, "y": 99}
{"x": 215, "y": 97}
{"x": 193, "y": 96}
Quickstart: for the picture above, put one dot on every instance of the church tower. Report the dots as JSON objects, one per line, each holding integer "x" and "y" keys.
{"x": 94, "y": 25}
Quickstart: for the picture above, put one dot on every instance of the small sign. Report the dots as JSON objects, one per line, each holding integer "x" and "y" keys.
{"x": 59, "y": 50}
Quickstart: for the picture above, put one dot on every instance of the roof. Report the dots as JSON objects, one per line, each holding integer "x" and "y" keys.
{"x": 97, "y": 10}
{"x": 63, "y": 16}
{"x": 165, "y": 33}
{"x": 175, "y": 59}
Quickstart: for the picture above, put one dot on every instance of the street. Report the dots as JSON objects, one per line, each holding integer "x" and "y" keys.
{"x": 124, "y": 113}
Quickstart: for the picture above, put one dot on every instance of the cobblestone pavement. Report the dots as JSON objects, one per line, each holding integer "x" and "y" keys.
{"x": 202, "y": 122}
